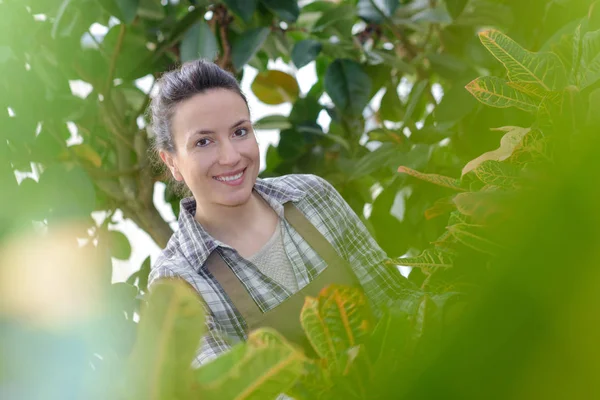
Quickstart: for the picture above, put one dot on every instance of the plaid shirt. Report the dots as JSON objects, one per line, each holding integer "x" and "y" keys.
{"x": 186, "y": 253}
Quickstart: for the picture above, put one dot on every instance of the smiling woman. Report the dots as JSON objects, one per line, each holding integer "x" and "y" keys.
{"x": 252, "y": 248}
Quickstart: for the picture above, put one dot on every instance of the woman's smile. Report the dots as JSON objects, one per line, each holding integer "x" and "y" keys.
{"x": 233, "y": 179}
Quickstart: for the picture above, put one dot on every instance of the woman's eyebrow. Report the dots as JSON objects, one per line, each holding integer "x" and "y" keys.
{"x": 208, "y": 131}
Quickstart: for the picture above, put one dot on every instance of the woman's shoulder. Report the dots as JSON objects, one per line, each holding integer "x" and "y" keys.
{"x": 306, "y": 183}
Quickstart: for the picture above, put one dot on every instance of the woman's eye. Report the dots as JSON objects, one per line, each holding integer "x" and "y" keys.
{"x": 241, "y": 132}
{"x": 202, "y": 143}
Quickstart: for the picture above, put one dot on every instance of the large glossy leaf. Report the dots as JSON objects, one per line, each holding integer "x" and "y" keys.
{"x": 246, "y": 45}
{"x": 287, "y": 10}
{"x": 275, "y": 87}
{"x": 541, "y": 69}
{"x": 348, "y": 86}
{"x": 305, "y": 51}
{"x": 436, "y": 179}
{"x": 262, "y": 368}
{"x": 376, "y": 10}
{"x": 243, "y": 8}
{"x": 495, "y": 92}
{"x": 455, "y": 7}
{"x": 337, "y": 320}
{"x": 119, "y": 245}
{"x": 391, "y": 107}
{"x": 199, "y": 42}
{"x": 508, "y": 143}
{"x": 279, "y": 122}
{"x": 125, "y": 10}
{"x": 385, "y": 155}
{"x": 169, "y": 332}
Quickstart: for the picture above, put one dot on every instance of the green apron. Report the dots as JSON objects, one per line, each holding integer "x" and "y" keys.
{"x": 285, "y": 317}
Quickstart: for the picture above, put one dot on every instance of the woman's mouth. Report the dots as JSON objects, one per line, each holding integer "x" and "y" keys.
{"x": 233, "y": 179}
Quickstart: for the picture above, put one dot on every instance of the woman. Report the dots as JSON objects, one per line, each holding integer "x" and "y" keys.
{"x": 252, "y": 248}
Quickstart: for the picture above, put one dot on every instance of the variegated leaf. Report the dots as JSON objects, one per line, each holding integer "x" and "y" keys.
{"x": 533, "y": 91}
{"x": 430, "y": 258}
{"x": 496, "y": 92}
{"x": 508, "y": 143}
{"x": 338, "y": 319}
{"x": 436, "y": 179}
{"x": 262, "y": 368}
{"x": 472, "y": 236}
{"x": 495, "y": 173}
{"x": 542, "y": 69}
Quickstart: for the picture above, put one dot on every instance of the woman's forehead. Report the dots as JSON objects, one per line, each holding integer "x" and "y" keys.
{"x": 210, "y": 111}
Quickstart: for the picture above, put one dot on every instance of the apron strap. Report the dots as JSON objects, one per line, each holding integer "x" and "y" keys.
{"x": 313, "y": 237}
{"x": 235, "y": 289}
{"x": 233, "y": 286}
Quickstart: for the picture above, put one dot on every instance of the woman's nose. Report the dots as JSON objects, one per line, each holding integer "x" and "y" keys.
{"x": 228, "y": 154}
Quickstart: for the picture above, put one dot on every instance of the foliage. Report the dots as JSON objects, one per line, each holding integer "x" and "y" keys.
{"x": 490, "y": 184}
{"x": 519, "y": 243}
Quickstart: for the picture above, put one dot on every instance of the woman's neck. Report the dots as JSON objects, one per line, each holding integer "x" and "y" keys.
{"x": 230, "y": 223}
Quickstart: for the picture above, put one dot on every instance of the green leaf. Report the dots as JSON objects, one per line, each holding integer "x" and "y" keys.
{"x": 199, "y": 42}
{"x": 317, "y": 131}
{"x": 244, "y": 8}
{"x": 390, "y": 59}
{"x": 124, "y": 10}
{"x": 391, "y": 106}
{"x": 305, "y": 51}
{"x": 541, "y": 69}
{"x": 590, "y": 71}
{"x": 67, "y": 192}
{"x": 455, "y": 105}
{"x": 455, "y": 7}
{"x": 430, "y": 258}
{"x": 348, "y": 86}
{"x": 473, "y": 237}
{"x": 246, "y": 45}
{"x": 337, "y": 320}
{"x": 279, "y": 122}
{"x": 120, "y": 247}
{"x": 415, "y": 97}
{"x": 262, "y": 368}
{"x": 170, "y": 328}
{"x": 287, "y": 10}
{"x": 128, "y": 9}
{"x": 384, "y": 156}
{"x": 143, "y": 274}
{"x": 495, "y": 92}
{"x": 436, "y": 179}
{"x": 275, "y": 87}
{"x": 437, "y": 15}
{"x": 508, "y": 143}
{"x": 151, "y": 9}
{"x": 376, "y": 10}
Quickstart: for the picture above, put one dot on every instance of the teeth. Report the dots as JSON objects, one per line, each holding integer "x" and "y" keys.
{"x": 230, "y": 178}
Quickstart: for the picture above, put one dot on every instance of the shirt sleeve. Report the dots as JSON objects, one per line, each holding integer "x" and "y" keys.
{"x": 382, "y": 282}
{"x": 212, "y": 343}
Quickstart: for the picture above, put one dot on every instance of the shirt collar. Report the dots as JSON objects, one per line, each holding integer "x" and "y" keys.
{"x": 196, "y": 244}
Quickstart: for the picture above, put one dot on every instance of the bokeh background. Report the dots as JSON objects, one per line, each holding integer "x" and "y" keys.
{"x": 347, "y": 90}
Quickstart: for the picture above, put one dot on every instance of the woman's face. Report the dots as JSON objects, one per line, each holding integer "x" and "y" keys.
{"x": 216, "y": 153}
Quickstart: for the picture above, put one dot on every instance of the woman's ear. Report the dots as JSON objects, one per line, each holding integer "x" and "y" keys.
{"x": 171, "y": 163}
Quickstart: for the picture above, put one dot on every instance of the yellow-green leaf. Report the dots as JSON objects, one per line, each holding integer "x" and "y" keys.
{"x": 436, "y": 179}
{"x": 169, "y": 331}
{"x": 430, "y": 258}
{"x": 338, "y": 319}
{"x": 262, "y": 368}
{"x": 541, "y": 69}
{"x": 275, "y": 87}
{"x": 495, "y": 92}
{"x": 508, "y": 143}
{"x": 87, "y": 153}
